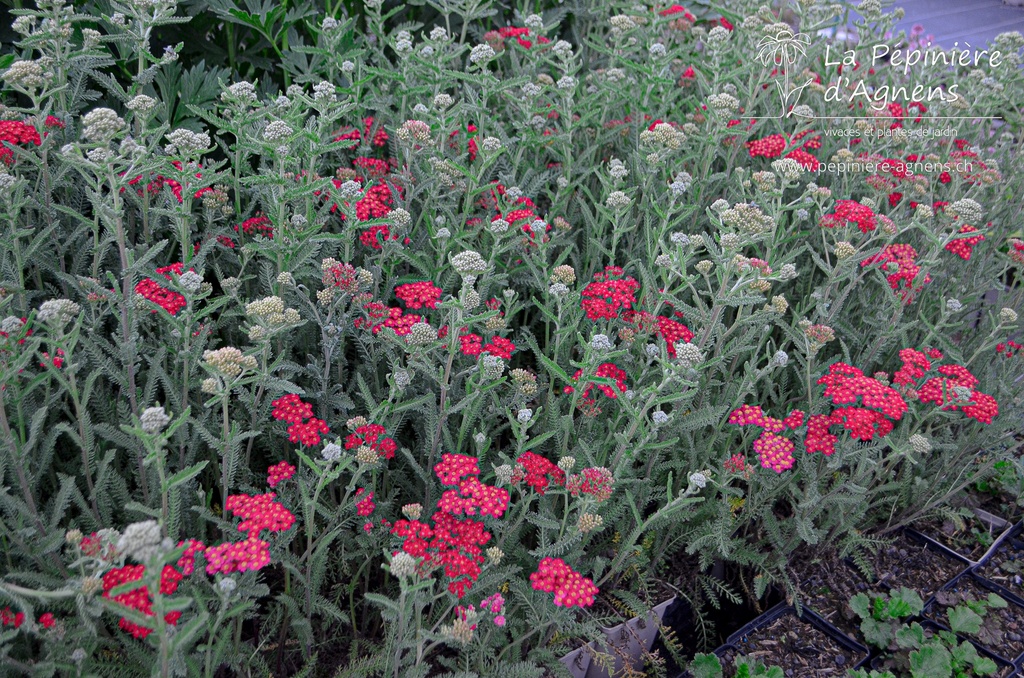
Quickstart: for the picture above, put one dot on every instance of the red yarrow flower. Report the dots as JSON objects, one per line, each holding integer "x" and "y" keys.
{"x": 279, "y": 473}
{"x": 571, "y": 589}
{"x": 372, "y": 435}
{"x": 419, "y": 294}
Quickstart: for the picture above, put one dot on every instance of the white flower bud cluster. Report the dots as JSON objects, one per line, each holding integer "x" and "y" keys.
{"x": 601, "y": 342}
{"x": 688, "y": 354}
{"x": 186, "y": 142}
{"x": 481, "y": 53}
{"x": 141, "y": 541}
{"x": 399, "y": 217}
{"x": 494, "y": 366}
{"x": 420, "y": 334}
{"x": 617, "y": 169}
{"x": 28, "y": 75}
{"x": 524, "y": 415}
{"x": 101, "y": 124}
{"x": 968, "y": 210}
{"x": 617, "y": 200}
{"x": 154, "y": 419}
{"x": 681, "y": 184}
{"x": 723, "y": 103}
{"x": 324, "y": 91}
{"x": 141, "y": 103}
{"x": 59, "y": 312}
{"x": 277, "y": 131}
{"x": 469, "y": 263}
{"x": 244, "y": 92}
{"x": 403, "y": 565}
{"x": 659, "y": 418}
{"x": 920, "y": 444}
{"x": 229, "y": 361}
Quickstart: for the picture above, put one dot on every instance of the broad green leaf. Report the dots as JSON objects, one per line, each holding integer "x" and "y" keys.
{"x": 931, "y": 661}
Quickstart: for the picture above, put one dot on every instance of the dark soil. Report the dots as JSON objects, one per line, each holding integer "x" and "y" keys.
{"x": 1003, "y": 630}
{"x": 801, "y": 650}
{"x": 912, "y": 564}
{"x": 826, "y": 587}
{"x": 1006, "y": 566}
{"x": 972, "y": 542}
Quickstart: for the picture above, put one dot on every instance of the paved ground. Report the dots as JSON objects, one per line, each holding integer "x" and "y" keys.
{"x": 963, "y": 21}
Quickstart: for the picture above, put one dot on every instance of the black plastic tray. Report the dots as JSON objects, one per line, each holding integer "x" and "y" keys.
{"x": 927, "y": 613}
{"x": 1011, "y": 539}
{"x": 738, "y": 639}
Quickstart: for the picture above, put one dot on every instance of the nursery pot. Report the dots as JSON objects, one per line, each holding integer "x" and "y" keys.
{"x": 578, "y": 661}
{"x": 629, "y": 641}
{"x": 931, "y": 612}
{"x": 1010, "y": 540}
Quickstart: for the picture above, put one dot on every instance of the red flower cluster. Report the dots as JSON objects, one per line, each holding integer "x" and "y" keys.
{"x": 260, "y": 512}
{"x": 291, "y": 409}
{"x": 365, "y": 506}
{"x": 379, "y": 138}
{"x": 372, "y": 435}
{"x": 1008, "y": 349}
{"x": 47, "y": 621}
{"x": 769, "y": 147}
{"x": 571, "y": 589}
{"x": 673, "y": 331}
{"x": 140, "y": 599}
{"x": 381, "y": 316}
{"x": 14, "y": 132}
{"x": 373, "y": 167}
{"x": 964, "y": 247}
{"x": 497, "y": 38}
{"x": 452, "y": 543}
{"x": 472, "y": 345}
{"x": 170, "y": 301}
{"x": 847, "y": 211}
{"x": 536, "y": 471}
{"x": 419, "y": 294}
{"x": 607, "y": 371}
{"x": 940, "y": 390}
{"x": 375, "y": 204}
{"x": 596, "y": 482}
{"x": 901, "y": 257}
{"x": 8, "y": 618}
{"x": 737, "y": 463}
{"x": 239, "y": 556}
{"x": 471, "y": 146}
{"x": 375, "y": 236}
{"x": 610, "y": 292}
{"x": 804, "y": 159}
{"x": 474, "y": 497}
{"x": 258, "y": 225}
{"x": 279, "y": 473}
{"x": 678, "y": 9}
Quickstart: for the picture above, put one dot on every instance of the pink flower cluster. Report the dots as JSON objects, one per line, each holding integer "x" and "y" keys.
{"x": 537, "y": 472}
{"x": 279, "y": 473}
{"x": 571, "y": 589}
